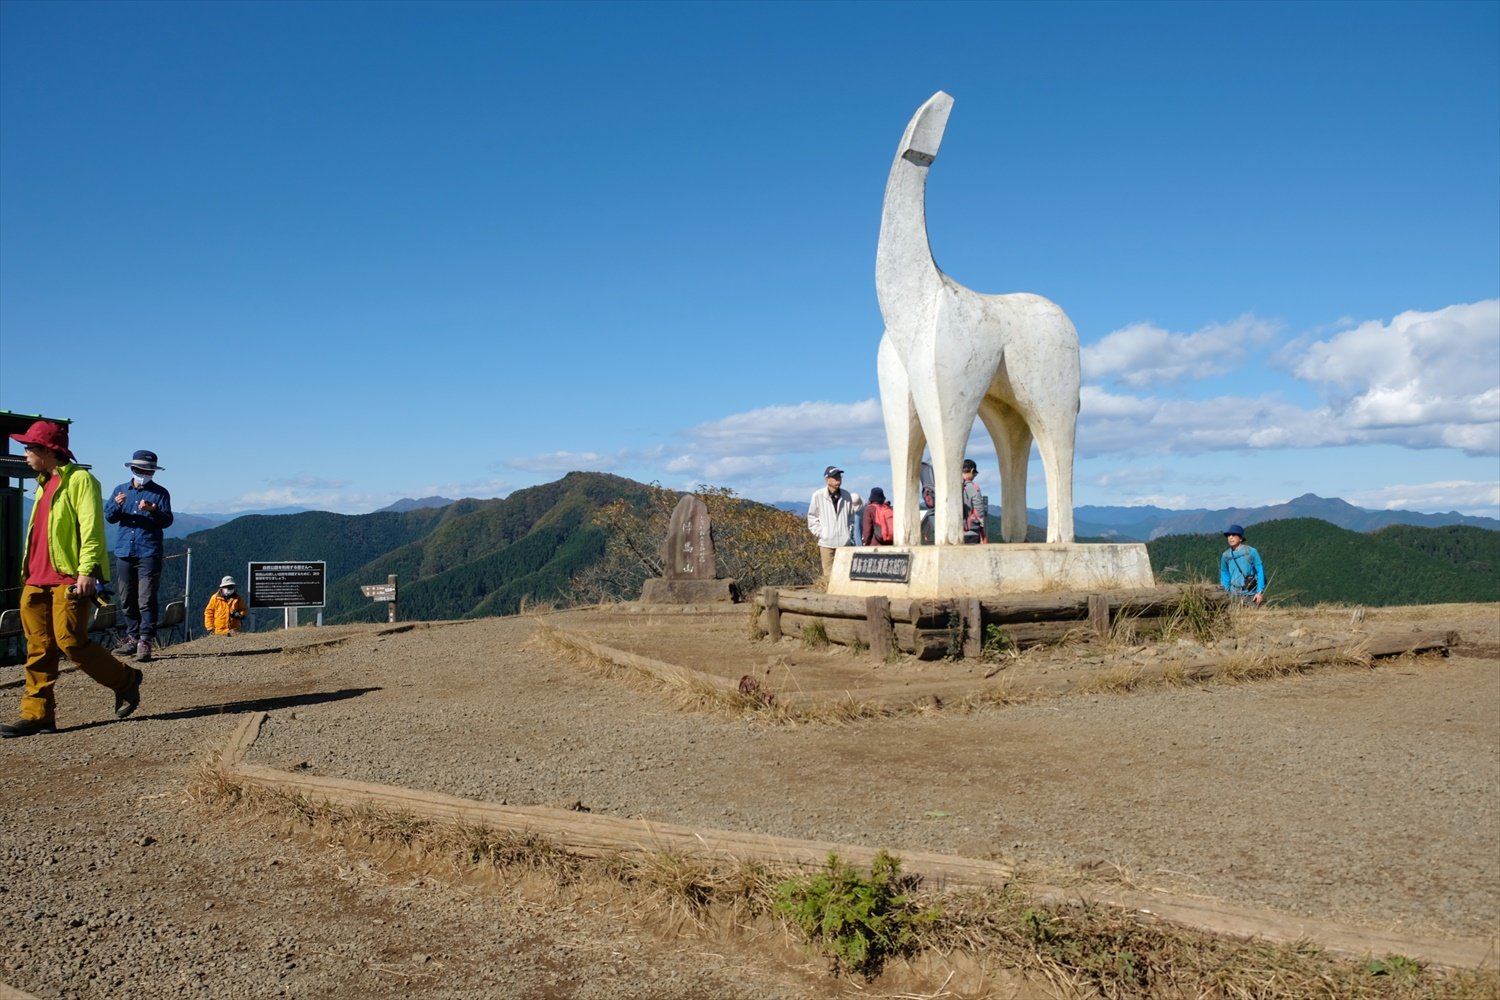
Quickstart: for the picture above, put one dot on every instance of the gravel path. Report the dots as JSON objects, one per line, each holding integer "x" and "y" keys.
{"x": 1363, "y": 795}
{"x": 114, "y": 885}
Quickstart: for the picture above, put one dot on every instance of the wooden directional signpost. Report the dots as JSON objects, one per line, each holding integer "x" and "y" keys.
{"x": 383, "y": 592}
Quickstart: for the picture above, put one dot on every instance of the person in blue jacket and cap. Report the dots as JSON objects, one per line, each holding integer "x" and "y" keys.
{"x": 141, "y": 507}
{"x": 1241, "y": 572}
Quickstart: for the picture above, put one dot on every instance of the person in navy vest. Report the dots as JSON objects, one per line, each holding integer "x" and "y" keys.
{"x": 142, "y": 508}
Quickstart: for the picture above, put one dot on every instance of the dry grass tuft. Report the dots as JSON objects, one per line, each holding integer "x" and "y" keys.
{"x": 693, "y": 890}
{"x": 529, "y": 607}
{"x": 753, "y": 628}
{"x": 814, "y": 635}
{"x": 844, "y": 710}
{"x": 1094, "y": 951}
{"x": 1114, "y": 680}
{"x": 1265, "y": 666}
{"x": 1174, "y": 674}
{"x": 1193, "y": 616}
{"x": 1004, "y": 691}
{"x": 458, "y": 845}
{"x": 1080, "y": 636}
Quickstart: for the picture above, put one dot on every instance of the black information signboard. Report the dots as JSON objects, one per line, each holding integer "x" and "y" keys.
{"x": 287, "y": 584}
{"x": 881, "y": 567}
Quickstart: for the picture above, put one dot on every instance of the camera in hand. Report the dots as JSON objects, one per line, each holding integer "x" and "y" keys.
{"x": 101, "y": 594}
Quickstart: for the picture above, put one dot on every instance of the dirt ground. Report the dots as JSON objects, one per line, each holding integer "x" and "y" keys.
{"x": 1366, "y": 794}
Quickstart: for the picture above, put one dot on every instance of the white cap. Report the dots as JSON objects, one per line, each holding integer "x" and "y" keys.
{"x": 228, "y": 581}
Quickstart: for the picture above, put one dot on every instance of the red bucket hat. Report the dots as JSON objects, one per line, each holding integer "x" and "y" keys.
{"x": 47, "y": 434}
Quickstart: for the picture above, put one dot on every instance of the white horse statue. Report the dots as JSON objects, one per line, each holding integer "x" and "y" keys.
{"x": 950, "y": 354}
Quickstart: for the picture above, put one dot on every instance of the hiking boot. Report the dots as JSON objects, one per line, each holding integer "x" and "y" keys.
{"x": 143, "y": 651}
{"x": 126, "y": 647}
{"x": 26, "y": 727}
{"x": 127, "y": 700}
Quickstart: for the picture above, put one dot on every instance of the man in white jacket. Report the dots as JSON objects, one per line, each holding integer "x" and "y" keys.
{"x": 830, "y": 515}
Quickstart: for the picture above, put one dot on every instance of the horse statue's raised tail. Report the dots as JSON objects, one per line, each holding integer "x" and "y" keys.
{"x": 950, "y": 354}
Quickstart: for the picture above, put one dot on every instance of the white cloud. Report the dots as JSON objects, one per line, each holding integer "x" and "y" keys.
{"x": 334, "y": 495}
{"x": 805, "y": 427}
{"x": 1456, "y": 494}
{"x": 311, "y": 484}
{"x": 1143, "y": 355}
{"x": 1132, "y": 475}
{"x": 1113, "y": 423}
{"x": 481, "y": 489}
{"x": 561, "y": 462}
{"x": 1423, "y": 380}
{"x": 758, "y": 450}
{"x": 261, "y": 499}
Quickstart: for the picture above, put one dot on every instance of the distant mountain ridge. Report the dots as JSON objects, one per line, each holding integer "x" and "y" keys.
{"x": 406, "y": 504}
{"x": 185, "y": 524}
{"x": 1144, "y": 524}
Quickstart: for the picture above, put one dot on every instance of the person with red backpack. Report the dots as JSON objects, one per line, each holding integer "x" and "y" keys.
{"x": 879, "y": 520}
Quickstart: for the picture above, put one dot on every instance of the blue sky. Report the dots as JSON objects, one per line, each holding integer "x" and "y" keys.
{"x": 332, "y": 255}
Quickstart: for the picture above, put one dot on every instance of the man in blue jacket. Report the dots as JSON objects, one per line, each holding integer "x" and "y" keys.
{"x": 142, "y": 508}
{"x": 1241, "y": 572}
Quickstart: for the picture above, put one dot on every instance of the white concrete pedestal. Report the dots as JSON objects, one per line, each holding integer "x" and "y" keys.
{"x": 988, "y": 570}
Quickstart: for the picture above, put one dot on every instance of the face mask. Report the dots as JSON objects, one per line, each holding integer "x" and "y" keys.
{"x": 142, "y": 477}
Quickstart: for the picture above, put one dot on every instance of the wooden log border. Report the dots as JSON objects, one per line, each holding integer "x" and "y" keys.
{"x": 596, "y": 835}
{"x": 931, "y": 629}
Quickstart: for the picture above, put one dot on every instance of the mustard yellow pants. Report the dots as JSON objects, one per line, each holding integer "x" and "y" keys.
{"x": 56, "y": 624}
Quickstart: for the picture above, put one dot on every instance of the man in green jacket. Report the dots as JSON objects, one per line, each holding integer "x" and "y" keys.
{"x": 63, "y": 563}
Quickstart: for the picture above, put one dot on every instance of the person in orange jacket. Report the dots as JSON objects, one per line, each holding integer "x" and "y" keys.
{"x": 225, "y": 614}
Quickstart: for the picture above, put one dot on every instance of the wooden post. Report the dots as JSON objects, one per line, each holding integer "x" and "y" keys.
{"x": 973, "y": 629}
{"x": 773, "y": 614}
{"x": 391, "y": 607}
{"x": 878, "y": 630}
{"x": 1099, "y": 614}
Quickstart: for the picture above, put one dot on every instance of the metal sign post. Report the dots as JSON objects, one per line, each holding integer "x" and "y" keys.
{"x": 288, "y": 585}
{"x": 383, "y": 592}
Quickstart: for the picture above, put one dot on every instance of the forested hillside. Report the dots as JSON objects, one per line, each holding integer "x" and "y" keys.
{"x": 1310, "y": 561}
{"x": 485, "y": 562}
{"x": 1468, "y": 548}
{"x": 467, "y": 559}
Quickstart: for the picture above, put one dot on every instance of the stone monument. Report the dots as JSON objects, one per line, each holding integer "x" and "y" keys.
{"x": 689, "y": 569}
{"x": 951, "y": 354}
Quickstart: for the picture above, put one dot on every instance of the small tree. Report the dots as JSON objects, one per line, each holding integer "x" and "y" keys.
{"x": 755, "y": 544}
